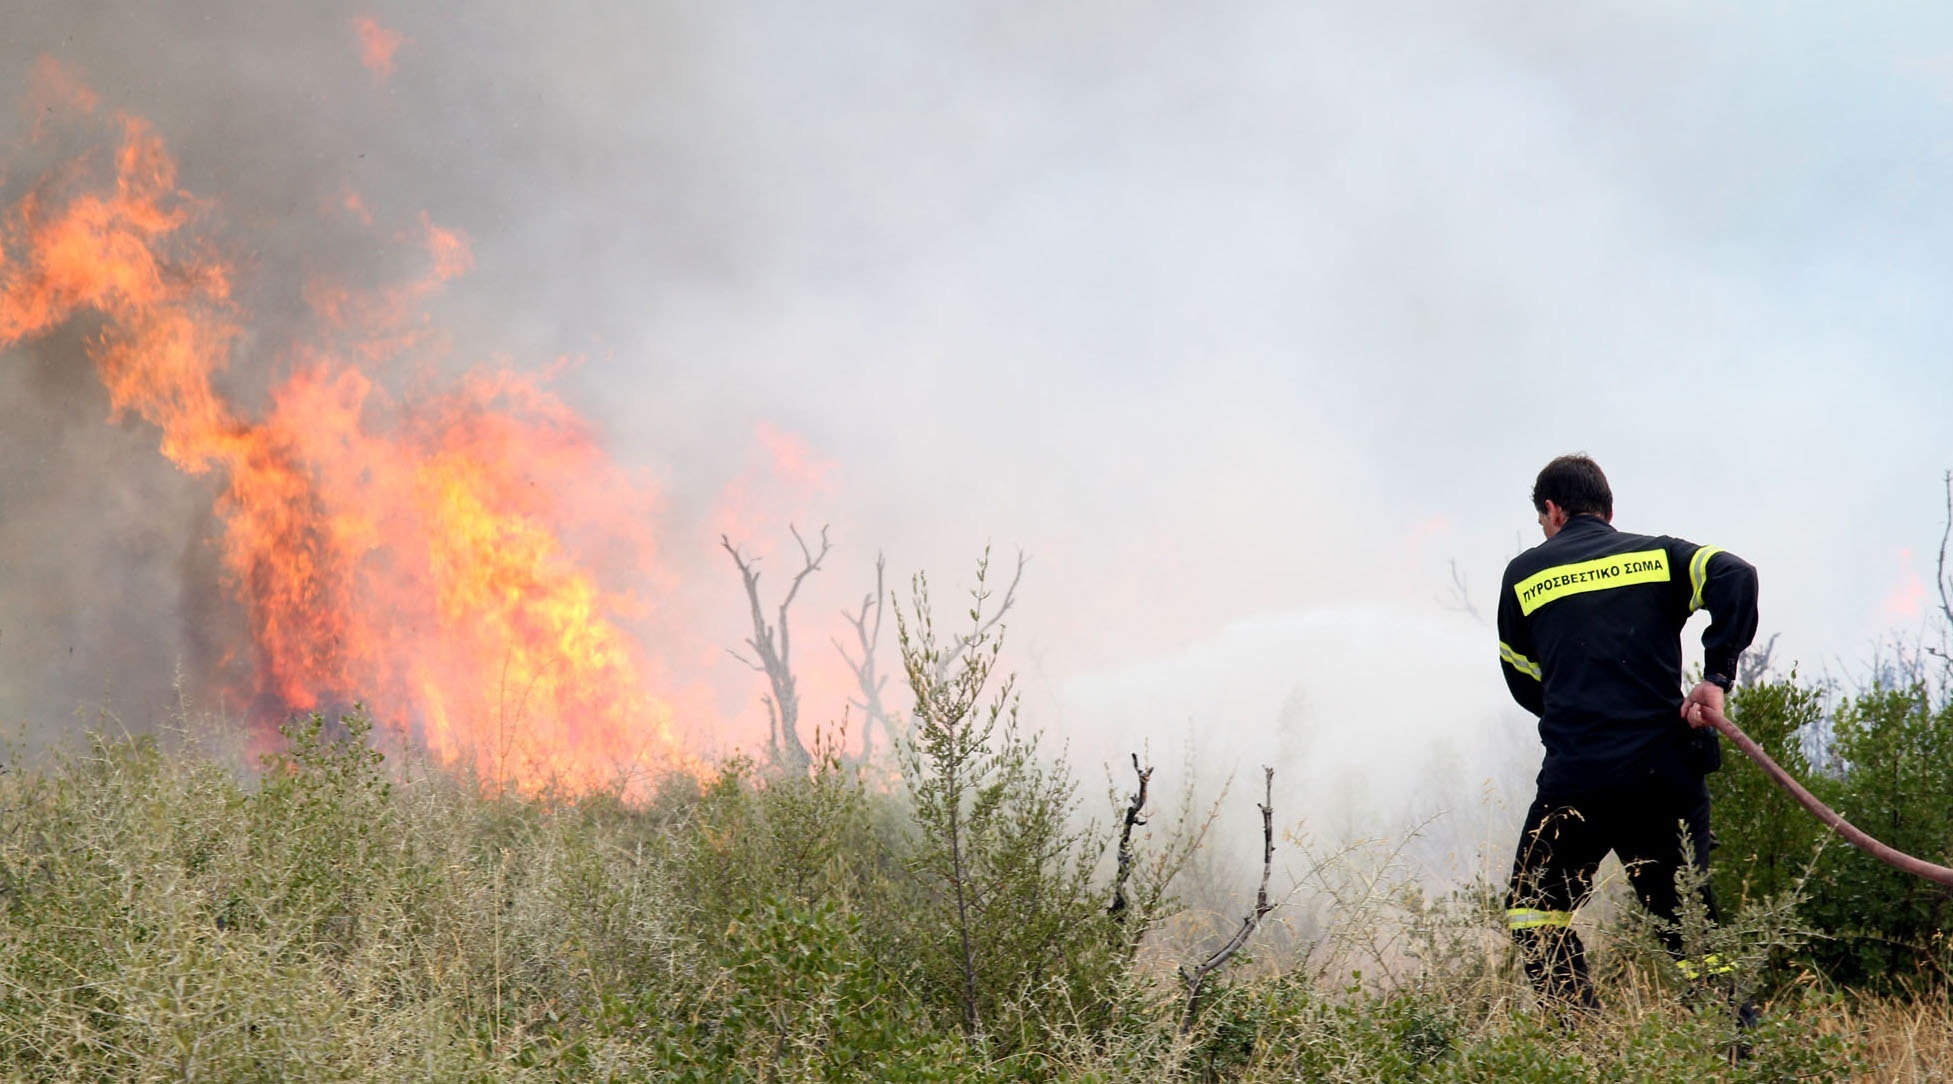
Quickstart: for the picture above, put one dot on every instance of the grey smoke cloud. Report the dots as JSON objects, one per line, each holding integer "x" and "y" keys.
{"x": 1235, "y": 314}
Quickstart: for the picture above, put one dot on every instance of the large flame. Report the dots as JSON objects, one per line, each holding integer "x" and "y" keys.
{"x": 432, "y": 554}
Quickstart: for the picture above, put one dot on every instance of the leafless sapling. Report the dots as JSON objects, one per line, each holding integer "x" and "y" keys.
{"x": 770, "y": 646}
{"x": 1196, "y": 978}
{"x": 867, "y": 623}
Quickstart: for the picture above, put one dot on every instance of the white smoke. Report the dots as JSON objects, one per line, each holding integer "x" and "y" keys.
{"x": 1215, "y": 311}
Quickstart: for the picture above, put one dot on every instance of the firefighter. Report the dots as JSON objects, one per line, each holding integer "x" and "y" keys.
{"x": 1590, "y": 625}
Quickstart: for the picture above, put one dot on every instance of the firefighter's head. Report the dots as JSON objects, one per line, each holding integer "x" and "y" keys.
{"x": 1569, "y": 486}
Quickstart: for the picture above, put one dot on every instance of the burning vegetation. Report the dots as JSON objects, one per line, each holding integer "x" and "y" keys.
{"x": 462, "y": 556}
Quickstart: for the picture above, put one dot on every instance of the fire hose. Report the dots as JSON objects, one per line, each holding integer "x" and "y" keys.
{"x": 1852, "y": 834}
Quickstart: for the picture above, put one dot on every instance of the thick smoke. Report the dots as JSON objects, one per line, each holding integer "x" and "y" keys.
{"x": 1244, "y": 321}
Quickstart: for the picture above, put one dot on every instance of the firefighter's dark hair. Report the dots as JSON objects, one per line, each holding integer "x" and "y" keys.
{"x": 1575, "y": 483}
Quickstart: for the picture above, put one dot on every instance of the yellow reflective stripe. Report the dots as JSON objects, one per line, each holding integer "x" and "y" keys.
{"x": 1517, "y": 661}
{"x": 1699, "y": 574}
{"x": 1620, "y": 570}
{"x": 1710, "y": 965}
{"x": 1527, "y": 918}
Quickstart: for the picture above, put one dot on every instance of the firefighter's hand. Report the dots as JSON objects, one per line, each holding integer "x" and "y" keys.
{"x": 1704, "y": 695}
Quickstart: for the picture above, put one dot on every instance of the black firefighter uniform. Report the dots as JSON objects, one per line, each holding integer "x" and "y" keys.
{"x": 1590, "y": 625}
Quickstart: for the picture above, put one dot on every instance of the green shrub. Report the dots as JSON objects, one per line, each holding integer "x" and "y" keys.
{"x": 1896, "y": 751}
{"x": 799, "y": 837}
{"x": 164, "y": 922}
{"x": 166, "y": 916}
{"x": 1287, "y": 1029}
{"x": 1766, "y": 841}
{"x": 798, "y": 997}
{"x": 1890, "y": 772}
{"x": 1008, "y": 927}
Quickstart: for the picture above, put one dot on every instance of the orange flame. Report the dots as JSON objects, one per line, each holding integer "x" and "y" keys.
{"x": 436, "y": 555}
{"x": 1907, "y": 599}
{"x": 377, "y": 44}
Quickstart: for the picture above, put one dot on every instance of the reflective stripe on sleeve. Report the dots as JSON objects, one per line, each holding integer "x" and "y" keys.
{"x": 1528, "y": 918}
{"x": 1517, "y": 661}
{"x": 1699, "y": 574}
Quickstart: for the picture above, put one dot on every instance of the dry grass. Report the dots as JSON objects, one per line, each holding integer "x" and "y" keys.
{"x": 1900, "y": 1039}
{"x": 167, "y": 915}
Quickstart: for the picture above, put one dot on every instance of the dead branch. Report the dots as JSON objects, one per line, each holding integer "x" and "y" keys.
{"x": 1460, "y": 598}
{"x": 1135, "y": 806}
{"x": 1944, "y": 652}
{"x": 1197, "y": 978}
{"x": 867, "y": 635}
{"x": 771, "y": 646}
{"x": 1946, "y": 605}
{"x": 1756, "y": 664}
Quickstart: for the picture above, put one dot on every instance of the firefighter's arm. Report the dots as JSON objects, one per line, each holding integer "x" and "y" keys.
{"x": 1725, "y": 585}
{"x": 1522, "y": 674}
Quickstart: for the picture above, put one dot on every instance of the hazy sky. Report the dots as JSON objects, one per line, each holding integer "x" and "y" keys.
{"x": 1243, "y": 319}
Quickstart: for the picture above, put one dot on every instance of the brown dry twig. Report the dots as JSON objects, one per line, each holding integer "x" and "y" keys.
{"x": 1135, "y": 808}
{"x": 1197, "y": 978}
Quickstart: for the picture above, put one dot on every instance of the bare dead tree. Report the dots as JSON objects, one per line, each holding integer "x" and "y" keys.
{"x": 1197, "y": 978}
{"x": 868, "y": 633}
{"x": 1757, "y": 662}
{"x": 1460, "y": 596}
{"x": 1135, "y": 817}
{"x": 770, "y": 645}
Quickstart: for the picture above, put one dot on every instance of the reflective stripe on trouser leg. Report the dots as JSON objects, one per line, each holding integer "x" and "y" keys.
{"x": 1532, "y": 918}
{"x": 1552, "y": 871}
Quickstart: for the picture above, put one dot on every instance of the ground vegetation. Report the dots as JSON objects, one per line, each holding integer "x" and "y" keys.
{"x": 169, "y": 912}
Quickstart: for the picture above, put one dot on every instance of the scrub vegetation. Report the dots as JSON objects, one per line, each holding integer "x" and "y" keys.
{"x": 166, "y": 914}
{"x": 1883, "y": 758}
